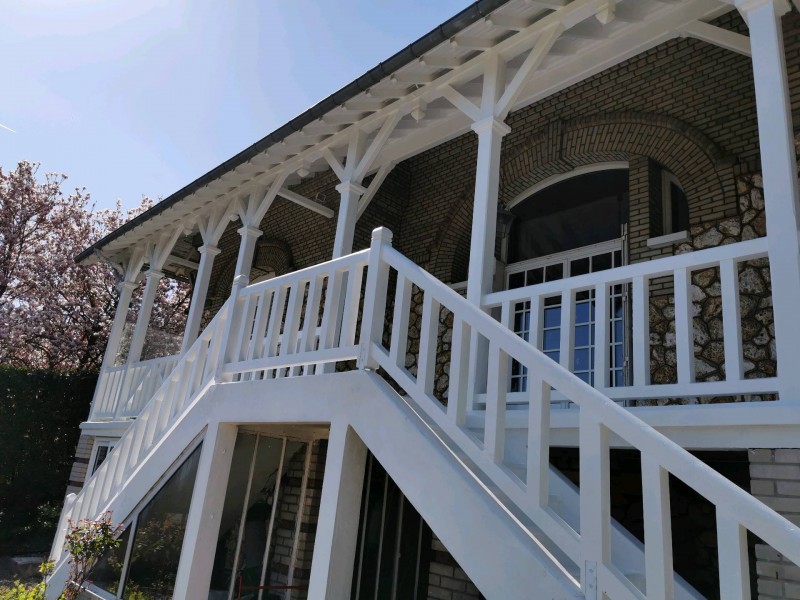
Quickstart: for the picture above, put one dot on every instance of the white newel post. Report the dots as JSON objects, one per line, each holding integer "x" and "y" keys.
{"x": 340, "y": 505}
{"x": 779, "y": 170}
{"x": 349, "y": 194}
{"x": 143, "y": 320}
{"x": 199, "y": 294}
{"x": 126, "y": 289}
{"x": 374, "y": 297}
{"x": 484, "y": 213}
{"x": 202, "y": 524}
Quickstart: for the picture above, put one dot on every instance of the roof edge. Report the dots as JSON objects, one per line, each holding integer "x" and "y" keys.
{"x": 426, "y": 43}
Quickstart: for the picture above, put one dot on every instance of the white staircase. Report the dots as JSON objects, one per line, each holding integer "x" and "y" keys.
{"x": 302, "y": 323}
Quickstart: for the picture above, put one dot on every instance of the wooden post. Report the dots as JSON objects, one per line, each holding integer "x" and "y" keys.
{"x": 337, "y": 529}
{"x": 199, "y": 294}
{"x": 349, "y": 194}
{"x": 143, "y": 320}
{"x": 779, "y": 170}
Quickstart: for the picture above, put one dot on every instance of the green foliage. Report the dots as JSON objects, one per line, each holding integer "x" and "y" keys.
{"x": 20, "y": 591}
{"x": 86, "y": 541}
{"x": 39, "y": 417}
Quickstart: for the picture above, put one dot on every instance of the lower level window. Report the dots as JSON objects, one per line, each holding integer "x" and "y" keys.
{"x": 146, "y": 563}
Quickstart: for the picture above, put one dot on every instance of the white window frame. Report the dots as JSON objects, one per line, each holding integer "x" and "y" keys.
{"x": 667, "y": 180}
{"x": 99, "y": 442}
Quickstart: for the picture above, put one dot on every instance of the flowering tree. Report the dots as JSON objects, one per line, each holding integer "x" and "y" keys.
{"x": 55, "y": 314}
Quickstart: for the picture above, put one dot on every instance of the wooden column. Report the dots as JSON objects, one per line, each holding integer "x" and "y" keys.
{"x": 349, "y": 195}
{"x": 143, "y": 320}
{"x": 779, "y": 170}
{"x": 199, "y": 294}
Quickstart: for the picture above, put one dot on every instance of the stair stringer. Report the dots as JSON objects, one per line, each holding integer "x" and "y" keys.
{"x": 148, "y": 473}
{"x": 501, "y": 557}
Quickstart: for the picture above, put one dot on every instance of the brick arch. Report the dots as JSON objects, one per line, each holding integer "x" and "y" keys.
{"x": 704, "y": 169}
{"x": 271, "y": 254}
{"x": 702, "y": 166}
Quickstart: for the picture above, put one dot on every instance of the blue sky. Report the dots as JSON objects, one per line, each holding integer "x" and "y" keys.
{"x": 140, "y": 97}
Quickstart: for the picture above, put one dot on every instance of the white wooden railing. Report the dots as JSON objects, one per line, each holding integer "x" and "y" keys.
{"x": 194, "y": 372}
{"x": 305, "y": 322}
{"x": 636, "y": 280}
{"x": 123, "y": 391}
{"x": 600, "y": 418}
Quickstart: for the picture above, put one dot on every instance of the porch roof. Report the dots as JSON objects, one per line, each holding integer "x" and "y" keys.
{"x": 594, "y": 35}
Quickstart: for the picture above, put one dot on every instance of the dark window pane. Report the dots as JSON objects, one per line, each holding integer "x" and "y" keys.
{"x": 552, "y": 316}
{"x": 555, "y": 355}
{"x": 107, "y": 573}
{"x": 553, "y": 301}
{"x": 516, "y": 280}
{"x": 579, "y": 266}
{"x": 601, "y": 262}
{"x": 581, "y": 358}
{"x": 159, "y": 536}
{"x": 552, "y": 339}
{"x": 535, "y": 276}
{"x": 680, "y": 209}
{"x": 580, "y": 211}
{"x": 554, "y": 272}
{"x": 583, "y": 312}
{"x": 582, "y": 336}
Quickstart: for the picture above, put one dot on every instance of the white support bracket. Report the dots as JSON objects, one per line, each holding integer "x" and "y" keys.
{"x": 730, "y": 40}
{"x": 305, "y": 202}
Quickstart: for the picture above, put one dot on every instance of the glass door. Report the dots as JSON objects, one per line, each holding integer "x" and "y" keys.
{"x": 589, "y": 259}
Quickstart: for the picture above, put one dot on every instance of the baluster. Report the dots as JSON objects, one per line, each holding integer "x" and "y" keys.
{"x": 275, "y": 322}
{"x": 657, "y": 530}
{"x": 308, "y": 335}
{"x": 731, "y": 319}
{"x": 330, "y": 317}
{"x": 595, "y": 501}
{"x": 684, "y": 326}
{"x": 400, "y": 320}
{"x": 292, "y": 323}
{"x": 459, "y": 371}
{"x": 256, "y": 349}
{"x": 241, "y": 339}
{"x": 734, "y": 569}
{"x": 538, "y": 473}
{"x": 567, "y": 341}
{"x": 429, "y": 333}
{"x": 496, "y": 388}
{"x": 602, "y": 337}
{"x": 350, "y": 313}
{"x": 640, "y": 288}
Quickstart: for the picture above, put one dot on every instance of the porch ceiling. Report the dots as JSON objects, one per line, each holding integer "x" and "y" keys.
{"x": 596, "y": 35}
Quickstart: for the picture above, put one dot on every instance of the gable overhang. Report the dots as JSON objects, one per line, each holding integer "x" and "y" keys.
{"x": 428, "y": 90}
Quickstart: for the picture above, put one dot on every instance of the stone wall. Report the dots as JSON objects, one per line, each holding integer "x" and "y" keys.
{"x": 758, "y": 331}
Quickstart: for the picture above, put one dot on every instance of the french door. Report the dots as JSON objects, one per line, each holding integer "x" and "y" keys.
{"x": 588, "y": 259}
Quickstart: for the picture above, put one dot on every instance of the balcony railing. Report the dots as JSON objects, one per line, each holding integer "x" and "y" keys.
{"x": 598, "y": 326}
{"x": 123, "y": 391}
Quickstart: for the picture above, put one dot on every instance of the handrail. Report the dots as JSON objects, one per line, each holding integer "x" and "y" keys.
{"x": 195, "y": 369}
{"x": 474, "y": 332}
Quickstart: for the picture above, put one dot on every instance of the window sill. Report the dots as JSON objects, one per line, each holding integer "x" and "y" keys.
{"x": 668, "y": 239}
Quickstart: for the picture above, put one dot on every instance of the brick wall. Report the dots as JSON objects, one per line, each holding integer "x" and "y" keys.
{"x": 77, "y": 475}
{"x": 446, "y": 580}
{"x": 775, "y": 480}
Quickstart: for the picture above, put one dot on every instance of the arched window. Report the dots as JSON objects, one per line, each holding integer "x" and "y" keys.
{"x": 580, "y": 211}
{"x": 674, "y": 205}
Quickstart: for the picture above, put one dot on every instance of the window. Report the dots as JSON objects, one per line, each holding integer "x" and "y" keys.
{"x": 674, "y": 205}
{"x": 100, "y": 451}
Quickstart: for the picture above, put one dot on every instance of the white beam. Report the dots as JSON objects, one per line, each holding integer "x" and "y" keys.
{"x": 337, "y": 530}
{"x": 779, "y": 170}
{"x": 374, "y": 185}
{"x": 532, "y": 62}
{"x": 203, "y": 521}
{"x": 730, "y": 40}
{"x": 306, "y": 203}
{"x": 182, "y": 262}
